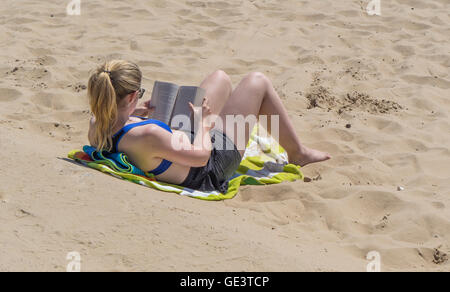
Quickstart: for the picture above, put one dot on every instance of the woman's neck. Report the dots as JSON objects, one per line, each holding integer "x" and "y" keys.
{"x": 121, "y": 121}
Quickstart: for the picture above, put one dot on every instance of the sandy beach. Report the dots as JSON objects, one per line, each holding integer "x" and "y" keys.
{"x": 374, "y": 91}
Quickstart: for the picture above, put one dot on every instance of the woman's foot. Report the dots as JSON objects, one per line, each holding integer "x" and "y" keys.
{"x": 307, "y": 156}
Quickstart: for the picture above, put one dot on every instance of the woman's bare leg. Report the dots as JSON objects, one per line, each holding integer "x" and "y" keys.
{"x": 218, "y": 88}
{"x": 256, "y": 96}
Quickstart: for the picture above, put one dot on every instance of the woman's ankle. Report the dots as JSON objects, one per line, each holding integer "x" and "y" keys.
{"x": 297, "y": 152}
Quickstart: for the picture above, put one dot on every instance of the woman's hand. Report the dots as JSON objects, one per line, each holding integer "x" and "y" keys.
{"x": 144, "y": 111}
{"x": 147, "y": 104}
{"x": 203, "y": 114}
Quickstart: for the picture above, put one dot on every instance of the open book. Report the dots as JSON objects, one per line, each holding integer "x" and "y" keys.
{"x": 171, "y": 100}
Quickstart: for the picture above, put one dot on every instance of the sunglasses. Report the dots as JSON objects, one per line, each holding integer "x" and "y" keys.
{"x": 141, "y": 93}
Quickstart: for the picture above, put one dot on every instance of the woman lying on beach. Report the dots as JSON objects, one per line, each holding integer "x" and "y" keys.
{"x": 114, "y": 90}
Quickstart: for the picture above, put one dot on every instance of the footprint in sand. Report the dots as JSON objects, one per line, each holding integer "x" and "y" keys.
{"x": 22, "y": 20}
{"x": 196, "y": 4}
{"x": 7, "y": 94}
{"x": 49, "y": 101}
{"x": 216, "y": 34}
{"x": 150, "y": 64}
{"x": 3, "y": 198}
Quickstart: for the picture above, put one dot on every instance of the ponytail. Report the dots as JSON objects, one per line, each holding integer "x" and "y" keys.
{"x": 107, "y": 86}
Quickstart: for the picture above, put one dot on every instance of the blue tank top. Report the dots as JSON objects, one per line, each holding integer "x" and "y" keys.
{"x": 165, "y": 164}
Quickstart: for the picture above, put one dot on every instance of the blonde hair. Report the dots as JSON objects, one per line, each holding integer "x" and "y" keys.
{"x": 107, "y": 86}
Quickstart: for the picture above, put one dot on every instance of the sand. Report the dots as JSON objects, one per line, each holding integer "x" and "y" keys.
{"x": 371, "y": 90}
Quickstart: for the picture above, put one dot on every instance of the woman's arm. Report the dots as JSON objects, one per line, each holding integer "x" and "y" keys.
{"x": 176, "y": 146}
{"x": 91, "y": 131}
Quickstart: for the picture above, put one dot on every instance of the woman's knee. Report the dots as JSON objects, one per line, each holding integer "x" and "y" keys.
{"x": 222, "y": 77}
{"x": 257, "y": 80}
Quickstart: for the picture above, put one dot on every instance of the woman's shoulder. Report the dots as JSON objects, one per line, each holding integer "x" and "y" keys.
{"x": 141, "y": 130}
{"x": 142, "y": 139}
{"x": 146, "y": 130}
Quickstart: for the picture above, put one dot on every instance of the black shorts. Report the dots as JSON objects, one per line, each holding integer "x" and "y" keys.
{"x": 224, "y": 161}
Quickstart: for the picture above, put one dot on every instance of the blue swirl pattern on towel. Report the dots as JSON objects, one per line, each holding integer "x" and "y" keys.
{"x": 118, "y": 161}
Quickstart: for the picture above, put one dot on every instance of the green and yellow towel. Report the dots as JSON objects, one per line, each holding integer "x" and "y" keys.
{"x": 264, "y": 162}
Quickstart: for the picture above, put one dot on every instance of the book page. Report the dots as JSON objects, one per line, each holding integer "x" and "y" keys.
{"x": 164, "y": 95}
{"x": 186, "y": 94}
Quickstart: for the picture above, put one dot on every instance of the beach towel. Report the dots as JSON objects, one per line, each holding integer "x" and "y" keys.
{"x": 264, "y": 162}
